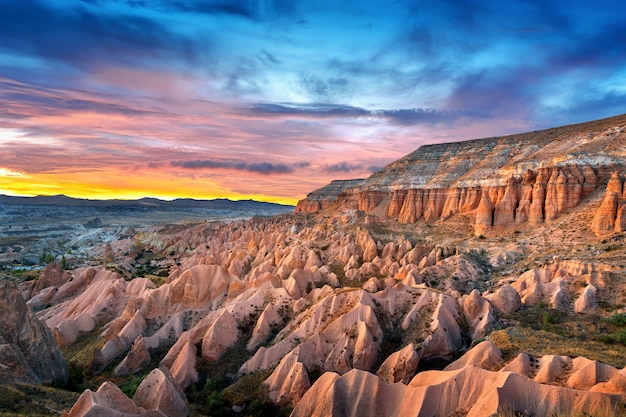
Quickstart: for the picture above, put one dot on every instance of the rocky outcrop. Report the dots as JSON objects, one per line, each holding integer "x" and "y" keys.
{"x": 108, "y": 401}
{"x": 506, "y": 299}
{"x": 400, "y": 366}
{"x": 470, "y": 386}
{"x": 610, "y": 217}
{"x": 324, "y": 197}
{"x": 313, "y": 294}
{"x": 159, "y": 391}
{"x": 504, "y": 181}
{"x": 28, "y": 351}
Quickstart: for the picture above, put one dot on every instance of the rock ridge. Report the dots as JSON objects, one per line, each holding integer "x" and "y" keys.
{"x": 525, "y": 178}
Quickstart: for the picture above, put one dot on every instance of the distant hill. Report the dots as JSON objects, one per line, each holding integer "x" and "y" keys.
{"x": 181, "y": 203}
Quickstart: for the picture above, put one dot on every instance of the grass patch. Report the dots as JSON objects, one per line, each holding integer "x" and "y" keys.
{"x": 515, "y": 340}
{"x": 344, "y": 282}
{"x": 79, "y": 356}
{"x": 34, "y": 400}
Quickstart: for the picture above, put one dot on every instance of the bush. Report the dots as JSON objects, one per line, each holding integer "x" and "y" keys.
{"x": 618, "y": 319}
{"x": 130, "y": 386}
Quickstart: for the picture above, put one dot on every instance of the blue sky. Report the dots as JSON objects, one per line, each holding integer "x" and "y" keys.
{"x": 271, "y": 99}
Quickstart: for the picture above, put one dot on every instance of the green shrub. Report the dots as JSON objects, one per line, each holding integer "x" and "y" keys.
{"x": 618, "y": 319}
{"x": 130, "y": 386}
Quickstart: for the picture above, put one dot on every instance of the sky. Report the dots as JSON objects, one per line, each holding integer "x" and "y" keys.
{"x": 271, "y": 99}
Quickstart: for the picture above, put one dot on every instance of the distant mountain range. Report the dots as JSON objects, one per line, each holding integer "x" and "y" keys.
{"x": 181, "y": 203}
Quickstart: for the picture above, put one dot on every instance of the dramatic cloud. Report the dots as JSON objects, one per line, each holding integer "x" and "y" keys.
{"x": 171, "y": 97}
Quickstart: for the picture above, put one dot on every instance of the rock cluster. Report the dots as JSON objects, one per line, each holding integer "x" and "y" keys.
{"x": 473, "y": 386}
{"x": 158, "y": 395}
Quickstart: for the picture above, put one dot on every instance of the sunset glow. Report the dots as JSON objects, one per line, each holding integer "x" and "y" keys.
{"x": 270, "y": 100}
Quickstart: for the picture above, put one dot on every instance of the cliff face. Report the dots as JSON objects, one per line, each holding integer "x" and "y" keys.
{"x": 531, "y": 177}
{"x": 326, "y": 196}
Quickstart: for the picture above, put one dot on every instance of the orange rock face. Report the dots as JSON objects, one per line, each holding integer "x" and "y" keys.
{"x": 531, "y": 178}
{"x": 610, "y": 217}
{"x": 484, "y": 214}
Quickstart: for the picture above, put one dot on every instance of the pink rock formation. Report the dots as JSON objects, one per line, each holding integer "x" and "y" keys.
{"x": 28, "y": 351}
{"x": 536, "y": 213}
{"x": 136, "y": 359}
{"x": 522, "y": 212}
{"x": 505, "y": 210}
{"x": 159, "y": 391}
{"x": 466, "y": 387}
{"x": 604, "y": 220}
{"x": 506, "y": 299}
{"x": 478, "y": 313}
{"x": 412, "y": 207}
{"x": 484, "y": 355}
{"x": 484, "y": 215}
{"x": 108, "y": 401}
{"x": 587, "y": 299}
{"x": 400, "y": 366}
{"x": 610, "y": 217}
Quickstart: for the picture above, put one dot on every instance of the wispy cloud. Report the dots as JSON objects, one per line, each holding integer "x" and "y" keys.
{"x": 263, "y": 168}
{"x": 342, "y": 166}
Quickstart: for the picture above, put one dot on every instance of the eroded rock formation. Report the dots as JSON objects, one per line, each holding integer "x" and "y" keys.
{"x": 610, "y": 217}
{"x": 28, "y": 351}
{"x": 470, "y": 386}
{"x": 503, "y": 181}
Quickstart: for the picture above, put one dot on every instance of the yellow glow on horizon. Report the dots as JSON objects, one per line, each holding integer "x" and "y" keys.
{"x": 101, "y": 185}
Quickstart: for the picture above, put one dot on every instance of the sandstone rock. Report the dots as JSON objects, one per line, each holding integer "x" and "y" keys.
{"x": 52, "y": 275}
{"x": 614, "y": 185}
{"x": 369, "y": 199}
{"x": 159, "y": 391}
{"x": 412, "y": 207}
{"x": 397, "y": 200}
{"x": 183, "y": 369}
{"x": 434, "y": 199}
{"x": 519, "y": 365}
{"x": 219, "y": 337}
{"x": 478, "y": 313}
{"x": 551, "y": 205}
{"x": 505, "y": 299}
{"x": 587, "y": 373}
{"x": 484, "y": 215}
{"x": 28, "y": 348}
{"x": 289, "y": 381}
{"x": 400, "y": 366}
{"x": 550, "y": 368}
{"x": 136, "y": 359}
{"x": 536, "y": 214}
{"x": 587, "y": 300}
{"x": 484, "y": 355}
{"x": 268, "y": 320}
{"x": 620, "y": 220}
{"x": 522, "y": 212}
{"x": 108, "y": 401}
{"x": 505, "y": 210}
{"x": 470, "y": 390}
{"x": 603, "y": 222}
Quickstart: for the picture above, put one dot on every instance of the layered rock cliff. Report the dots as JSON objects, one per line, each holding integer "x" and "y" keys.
{"x": 531, "y": 177}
